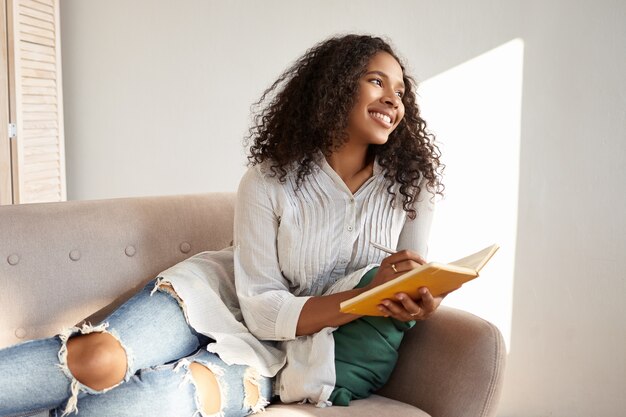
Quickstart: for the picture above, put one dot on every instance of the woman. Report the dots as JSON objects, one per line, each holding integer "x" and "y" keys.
{"x": 339, "y": 158}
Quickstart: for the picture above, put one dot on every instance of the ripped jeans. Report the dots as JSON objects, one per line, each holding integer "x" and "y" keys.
{"x": 160, "y": 347}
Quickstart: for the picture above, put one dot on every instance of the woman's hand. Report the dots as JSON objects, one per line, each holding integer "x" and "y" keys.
{"x": 404, "y": 308}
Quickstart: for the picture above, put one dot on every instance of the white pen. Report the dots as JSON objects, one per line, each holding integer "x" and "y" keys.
{"x": 382, "y": 248}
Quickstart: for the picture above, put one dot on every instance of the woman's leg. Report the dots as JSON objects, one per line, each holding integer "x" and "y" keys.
{"x": 198, "y": 385}
{"x": 149, "y": 329}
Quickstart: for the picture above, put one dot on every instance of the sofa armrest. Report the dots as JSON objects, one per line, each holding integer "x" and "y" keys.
{"x": 450, "y": 365}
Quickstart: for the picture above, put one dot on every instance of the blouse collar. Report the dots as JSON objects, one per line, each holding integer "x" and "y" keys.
{"x": 326, "y": 168}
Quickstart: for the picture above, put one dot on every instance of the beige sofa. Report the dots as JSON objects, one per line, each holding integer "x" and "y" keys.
{"x": 61, "y": 262}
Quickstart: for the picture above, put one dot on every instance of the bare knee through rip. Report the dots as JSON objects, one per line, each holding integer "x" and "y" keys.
{"x": 252, "y": 393}
{"x": 96, "y": 360}
{"x": 207, "y": 387}
{"x": 209, "y": 390}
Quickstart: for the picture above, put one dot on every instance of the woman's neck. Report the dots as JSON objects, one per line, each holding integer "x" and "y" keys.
{"x": 354, "y": 166}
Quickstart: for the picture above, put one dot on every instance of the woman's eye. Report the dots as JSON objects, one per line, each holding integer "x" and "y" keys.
{"x": 377, "y": 82}
{"x": 400, "y": 94}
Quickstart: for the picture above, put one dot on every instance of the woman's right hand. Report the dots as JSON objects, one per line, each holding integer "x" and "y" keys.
{"x": 395, "y": 265}
{"x": 402, "y": 307}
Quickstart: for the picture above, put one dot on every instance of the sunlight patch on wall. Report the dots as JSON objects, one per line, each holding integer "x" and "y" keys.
{"x": 474, "y": 110}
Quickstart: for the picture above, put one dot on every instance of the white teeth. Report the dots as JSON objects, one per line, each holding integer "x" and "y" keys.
{"x": 381, "y": 116}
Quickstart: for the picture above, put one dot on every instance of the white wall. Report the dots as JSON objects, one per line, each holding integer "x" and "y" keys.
{"x": 157, "y": 97}
{"x": 568, "y": 341}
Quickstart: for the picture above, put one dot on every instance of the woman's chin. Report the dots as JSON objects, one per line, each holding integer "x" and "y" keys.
{"x": 379, "y": 141}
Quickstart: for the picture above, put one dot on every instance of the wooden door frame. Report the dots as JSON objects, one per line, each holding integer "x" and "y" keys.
{"x": 6, "y": 180}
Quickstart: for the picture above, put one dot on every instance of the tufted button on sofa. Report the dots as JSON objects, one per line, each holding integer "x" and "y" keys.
{"x": 62, "y": 262}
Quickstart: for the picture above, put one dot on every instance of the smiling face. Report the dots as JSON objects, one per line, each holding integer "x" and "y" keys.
{"x": 378, "y": 108}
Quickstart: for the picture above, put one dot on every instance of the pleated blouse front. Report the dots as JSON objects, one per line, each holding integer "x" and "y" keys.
{"x": 291, "y": 243}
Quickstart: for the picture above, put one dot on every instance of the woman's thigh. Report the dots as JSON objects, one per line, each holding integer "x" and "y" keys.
{"x": 152, "y": 328}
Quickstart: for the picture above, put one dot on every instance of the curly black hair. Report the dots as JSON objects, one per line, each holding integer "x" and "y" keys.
{"x": 306, "y": 109}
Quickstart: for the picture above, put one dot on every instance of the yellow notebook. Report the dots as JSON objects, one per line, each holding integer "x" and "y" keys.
{"x": 439, "y": 278}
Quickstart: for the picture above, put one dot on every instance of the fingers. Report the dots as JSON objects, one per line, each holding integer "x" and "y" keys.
{"x": 402, "y": 261}
{"x": 427, "y": 301}
{"x": 404, "y": 308}
{"x": 396, "y": 264}
{"x": 404, "y": 255}
{"x": 403, "y": 266}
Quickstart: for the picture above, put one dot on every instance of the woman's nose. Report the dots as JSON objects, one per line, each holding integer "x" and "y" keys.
{"x": 392, "y": 99}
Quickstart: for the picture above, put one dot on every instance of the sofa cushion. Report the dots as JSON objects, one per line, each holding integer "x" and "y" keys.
{"x": 365, "y": 353}
{"x": 374, "y": 406}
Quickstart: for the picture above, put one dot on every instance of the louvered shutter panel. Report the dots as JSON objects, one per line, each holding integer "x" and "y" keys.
{"x": 37, "y": 102}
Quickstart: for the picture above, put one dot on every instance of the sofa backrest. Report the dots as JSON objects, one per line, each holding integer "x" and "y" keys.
{"x": 60, "y": 262}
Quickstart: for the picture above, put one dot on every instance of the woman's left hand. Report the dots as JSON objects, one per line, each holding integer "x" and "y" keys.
{"x": 404, "y": 308}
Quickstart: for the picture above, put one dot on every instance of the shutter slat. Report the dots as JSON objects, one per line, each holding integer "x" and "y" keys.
{"x": 37, "y": 31}
{"x": 42, "y": 150}
{"x": 35, "y": 182}
{"x": 40, "y": 116}
{"x": 41, "y": 175}
{"x": 34, "y": 13}
{"x": 41, "y": 141}
{"x": 42, "y": 158}
{"x": 40, "y": 108}
{"x": 40, "y": 49}
{"x": 46, "y": 2}
{"x": 40, "y": 124}
{"x": 41, "y": 167}
{"x": 39, "y": 133}
{"x": 40, "y": 190}
{"x": 33, "y": 73}
{"x": 43, "y": 197}
{"x": 40, "y": 65}
{"x": 40, "y": 6}
{"x": 35, "y": 56}
{"x": 39, "y": 82}
{"x": 27, "y": 20}
{"x": 41, "y": 91}
{"x": 42, "y": 185}
{"x": 38, "y": 40}
{"x": 39, "y": 98}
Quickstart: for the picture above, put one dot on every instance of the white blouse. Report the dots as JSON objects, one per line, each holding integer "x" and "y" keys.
{"x": 292, "y": 244}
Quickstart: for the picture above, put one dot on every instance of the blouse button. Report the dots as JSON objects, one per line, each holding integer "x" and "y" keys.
{"x": 349, "y": 228}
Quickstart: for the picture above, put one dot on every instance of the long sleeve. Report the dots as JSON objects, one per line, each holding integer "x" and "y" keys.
{"x": 414, "y": 235}
{"x": 270, "y": 311}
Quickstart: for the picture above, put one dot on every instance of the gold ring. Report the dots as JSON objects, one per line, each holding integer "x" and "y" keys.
{"x": 393, "y": 266}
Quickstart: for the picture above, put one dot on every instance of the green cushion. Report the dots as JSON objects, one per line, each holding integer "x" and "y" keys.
{"x": 366, "y": 351}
